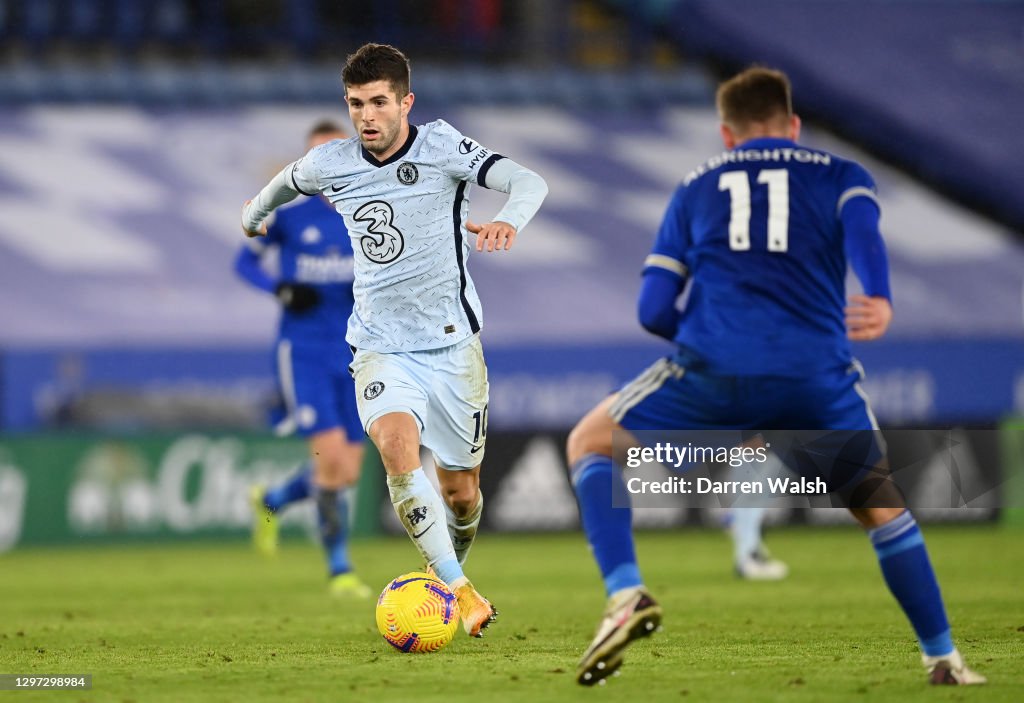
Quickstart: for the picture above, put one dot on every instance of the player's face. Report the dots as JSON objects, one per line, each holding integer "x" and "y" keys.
{"x": 379, "y": 116}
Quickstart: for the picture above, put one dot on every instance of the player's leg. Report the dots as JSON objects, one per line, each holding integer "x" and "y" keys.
{"x": 457, "y": 435}
{"x": 342, "y": 455}
{"x": 421, "y": 511}
{"x": 267, "y": 502}
{"x": 900, "y": 548}
{"x": 907, "y": 569}
{"x": 663, "y": 398}
{"x": 751, "y": 557}
{"x": 464, "y": 504}
{"x": 336, "y": 462}
{"x": 297, "y": 487}
{"x": 393, "y": 405}
{"x": 596, "y": 483}
{"x": 417, "y": 504}
{"x": 631, "y": 612}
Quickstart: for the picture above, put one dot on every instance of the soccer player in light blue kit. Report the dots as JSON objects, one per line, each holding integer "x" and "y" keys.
{"x": 311, "y": 363}
{"x": 758, "y": 240}
{"x": 419, "y": 370}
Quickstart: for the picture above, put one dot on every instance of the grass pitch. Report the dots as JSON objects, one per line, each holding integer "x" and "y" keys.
{"x": 204, "y": 622}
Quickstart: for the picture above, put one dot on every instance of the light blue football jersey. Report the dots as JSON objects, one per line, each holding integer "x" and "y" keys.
{"x": 406, "y": 217}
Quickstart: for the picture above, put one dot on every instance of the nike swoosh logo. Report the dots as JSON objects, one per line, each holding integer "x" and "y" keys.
{"x": 338, "y": 188}
{"x": 420, "y": 534}
{"x": 474, "y": 450}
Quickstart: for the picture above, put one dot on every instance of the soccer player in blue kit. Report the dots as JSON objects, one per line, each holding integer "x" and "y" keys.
{"x": 312, "y": 360}
{"x": 418, "y": 364}
{"x": 757, "y": 240}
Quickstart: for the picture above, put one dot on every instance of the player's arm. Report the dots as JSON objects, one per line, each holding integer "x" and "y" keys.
{"x": 248, "y": 266}
{"x": 868, "y": 315}
{"x": 656, "y": 306}
{"x": 526, "y": 191}
{"x": 297, "y": 177}
{"x": 279, "y": 191}
{"x": 665, "y": 273}
{"x": 297, "y": 297}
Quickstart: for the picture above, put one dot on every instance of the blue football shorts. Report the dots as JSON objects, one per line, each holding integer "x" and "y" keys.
{"x": 317, "y": 389}
{"x": 827, "y": 414}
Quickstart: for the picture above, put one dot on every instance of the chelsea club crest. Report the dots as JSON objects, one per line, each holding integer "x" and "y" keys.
{"x": 408, "y": 173}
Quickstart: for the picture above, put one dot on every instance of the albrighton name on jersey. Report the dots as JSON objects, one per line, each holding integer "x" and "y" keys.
{"x": 406, "y": 217}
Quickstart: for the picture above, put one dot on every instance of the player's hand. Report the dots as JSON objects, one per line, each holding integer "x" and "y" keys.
{"x": 497, "y": 236}
{"x": 297, "y": 297}
{"x": 867, "y": 317}
{"x": 261, "y": 232}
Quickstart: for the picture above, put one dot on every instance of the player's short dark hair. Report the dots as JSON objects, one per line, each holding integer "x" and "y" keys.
{"x": 378, "y": 62}
{"x": 324, "y": 127}
{"x": 758, "y": 94}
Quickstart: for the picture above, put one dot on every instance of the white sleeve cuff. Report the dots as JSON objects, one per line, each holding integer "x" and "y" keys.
{"x": 666, "y": 262}
{"x": 526, "y": 190}
{"x": 276, "y": 193}
{"x": 854, "y": 192}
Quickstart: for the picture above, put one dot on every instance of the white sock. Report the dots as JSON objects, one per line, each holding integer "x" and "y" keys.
{"x": 746, "y": 532}
{"x": 463, "y": 530}
{"x": 421, "y": 511}
{"x": 748, "y": 515}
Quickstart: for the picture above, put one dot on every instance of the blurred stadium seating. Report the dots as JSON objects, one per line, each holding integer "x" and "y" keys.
{"x": 130, "y": 133}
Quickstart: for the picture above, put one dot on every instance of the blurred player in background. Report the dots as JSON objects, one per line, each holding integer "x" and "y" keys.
{"x": 312, "y": 359}
{"x": 745, "y": 524}
{"x": 759, "y": 238}
{"x": 419, "y": 368}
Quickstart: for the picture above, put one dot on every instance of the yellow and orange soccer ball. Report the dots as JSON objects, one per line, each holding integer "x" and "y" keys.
{"x": 417, "y": 613}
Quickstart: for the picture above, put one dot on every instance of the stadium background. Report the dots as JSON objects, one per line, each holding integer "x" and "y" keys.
{"x": 135, "y": 367}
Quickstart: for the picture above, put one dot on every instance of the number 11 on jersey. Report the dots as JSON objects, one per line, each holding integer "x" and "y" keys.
{"x": 737, "y": 184}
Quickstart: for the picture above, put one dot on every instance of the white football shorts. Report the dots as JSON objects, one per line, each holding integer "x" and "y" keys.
{"x": 444, "y": 389}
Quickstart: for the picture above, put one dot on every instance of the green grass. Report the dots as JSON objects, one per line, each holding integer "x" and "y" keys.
{"x": 205, "y": 622}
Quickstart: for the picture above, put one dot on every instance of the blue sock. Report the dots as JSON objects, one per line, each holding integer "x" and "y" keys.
{"x": 296, "y": 487}
{"x": 608, "y": 529}
{"x": 332, "y": 517}
{"x": 908, "y": 572}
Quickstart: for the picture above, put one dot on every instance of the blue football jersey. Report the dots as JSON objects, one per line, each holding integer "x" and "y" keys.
{"x": 757, "y": 232}
{"x": 314, "y": 248}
